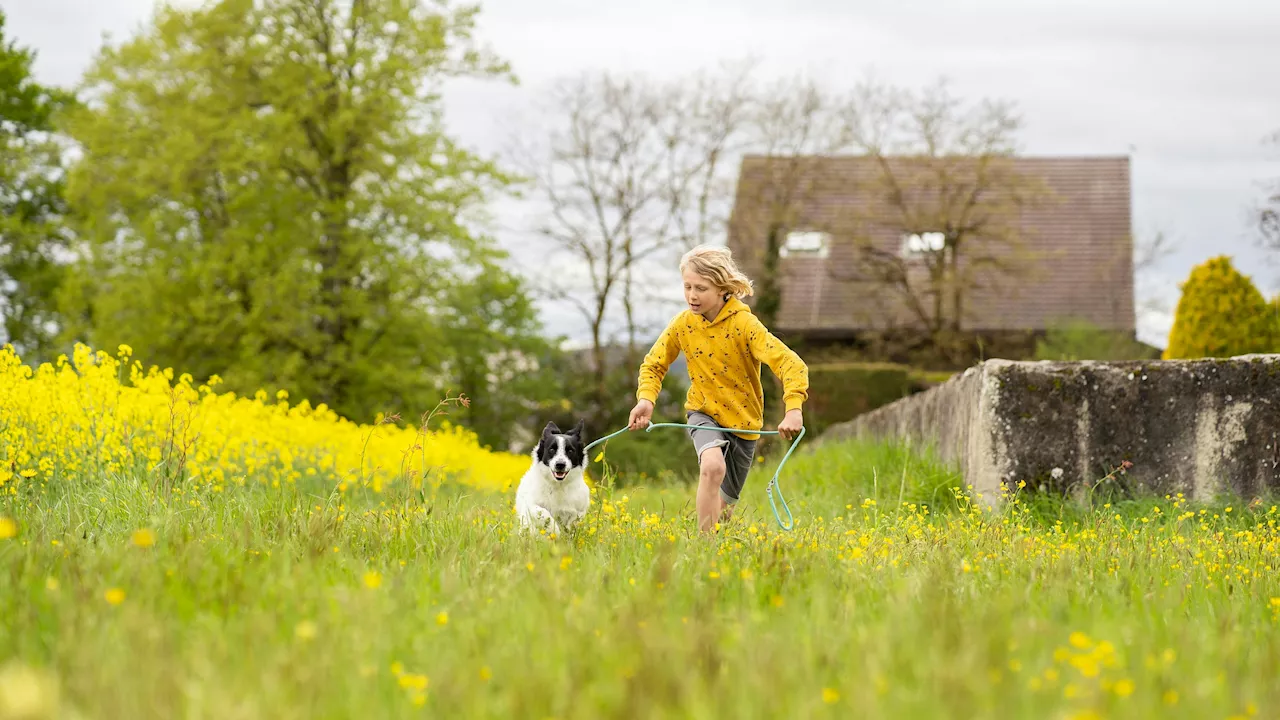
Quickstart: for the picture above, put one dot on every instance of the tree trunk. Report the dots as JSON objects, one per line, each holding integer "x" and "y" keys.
{"x": 769, "y": 299}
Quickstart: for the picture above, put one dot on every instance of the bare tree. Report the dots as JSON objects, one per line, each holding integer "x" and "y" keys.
{"x": 1269, "y": 212}
{"x": 791, "y": 122}
{"x": 632, "y": 172}
{"x": 946, "y": 191}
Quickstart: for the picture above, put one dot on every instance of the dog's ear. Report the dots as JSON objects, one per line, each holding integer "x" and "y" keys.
{"x": 550, "y": 429}
{"x": 577, "y": 429}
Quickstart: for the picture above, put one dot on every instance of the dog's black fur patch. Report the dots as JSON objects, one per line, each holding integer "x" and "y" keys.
{"x": 574, "y": 447}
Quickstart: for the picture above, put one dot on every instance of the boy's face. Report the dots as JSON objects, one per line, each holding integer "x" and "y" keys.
{"x": 703, "y": 297}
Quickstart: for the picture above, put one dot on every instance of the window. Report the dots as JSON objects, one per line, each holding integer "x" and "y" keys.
{"x": 806, "y": 243}
{"x": 917, "y": 244}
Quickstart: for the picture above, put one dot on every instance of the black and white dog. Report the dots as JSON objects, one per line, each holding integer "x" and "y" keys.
{"x": 553, "y": 494}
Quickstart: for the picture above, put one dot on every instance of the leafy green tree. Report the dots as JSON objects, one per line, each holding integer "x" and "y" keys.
{"x": 32, "y": 206}
{"x": 268, "y": 193}
{"x": 1220, "y": 313}
{"x": 513, "y": 376}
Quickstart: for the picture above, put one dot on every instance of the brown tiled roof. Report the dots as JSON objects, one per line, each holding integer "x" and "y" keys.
{"x": 1079, "y": 237}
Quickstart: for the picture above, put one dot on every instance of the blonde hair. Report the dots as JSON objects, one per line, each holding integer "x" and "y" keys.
{"x": 716, "y": 264}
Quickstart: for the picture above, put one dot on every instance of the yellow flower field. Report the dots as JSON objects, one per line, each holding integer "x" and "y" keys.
{"x": 144, "y": 575}
{"x": 95, "y": 413}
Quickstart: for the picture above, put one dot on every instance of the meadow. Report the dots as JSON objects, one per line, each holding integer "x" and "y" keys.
{"x": 170, "y": 551}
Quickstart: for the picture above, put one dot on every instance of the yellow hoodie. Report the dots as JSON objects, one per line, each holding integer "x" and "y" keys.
{"x": 724, "y": 357}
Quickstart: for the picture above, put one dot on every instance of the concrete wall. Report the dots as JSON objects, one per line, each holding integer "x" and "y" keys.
{"x": 1190, "y": 426}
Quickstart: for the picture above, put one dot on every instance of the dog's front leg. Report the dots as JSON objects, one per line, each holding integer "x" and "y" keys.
{"x": 569, "y": 520}
{"x": 549, "y": 519}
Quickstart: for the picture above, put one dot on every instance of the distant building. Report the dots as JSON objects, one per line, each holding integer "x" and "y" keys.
{"x": 1080, "y": 264}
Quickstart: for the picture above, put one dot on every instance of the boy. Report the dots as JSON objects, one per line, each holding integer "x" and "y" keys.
{"x": 724, "y": 344}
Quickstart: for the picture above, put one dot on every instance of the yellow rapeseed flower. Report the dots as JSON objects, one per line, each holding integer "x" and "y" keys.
{"x": 242, "y": 438}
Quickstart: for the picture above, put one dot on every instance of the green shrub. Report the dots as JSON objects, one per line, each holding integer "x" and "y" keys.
{"x": 1220, "y": 314}
{"x": 1274, "y": 308}
{"x": 842, "y": 391}
{"x": 1083, "y": 340}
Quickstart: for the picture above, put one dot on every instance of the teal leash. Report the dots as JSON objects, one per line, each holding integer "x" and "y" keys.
{"x": 769, "y": 489}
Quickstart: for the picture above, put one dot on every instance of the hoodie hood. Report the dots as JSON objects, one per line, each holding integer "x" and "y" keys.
{"x": 732, "y": 307}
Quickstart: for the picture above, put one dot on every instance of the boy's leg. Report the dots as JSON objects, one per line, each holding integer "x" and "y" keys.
{"x": 739, "y": 454}
{"x": 711, "y": 447}
{"x": 711, "y": 474}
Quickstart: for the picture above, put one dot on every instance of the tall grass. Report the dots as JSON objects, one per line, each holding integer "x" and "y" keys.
{"x": 893, "y": 598}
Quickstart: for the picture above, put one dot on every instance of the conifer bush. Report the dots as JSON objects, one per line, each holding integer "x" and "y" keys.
{"x": 1221, "y": 313}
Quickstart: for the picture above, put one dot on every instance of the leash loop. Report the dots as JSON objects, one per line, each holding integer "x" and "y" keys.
{"x": 769, "y": 489}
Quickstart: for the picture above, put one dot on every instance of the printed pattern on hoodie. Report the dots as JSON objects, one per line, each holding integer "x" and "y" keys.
{"x": 724, "y": 358}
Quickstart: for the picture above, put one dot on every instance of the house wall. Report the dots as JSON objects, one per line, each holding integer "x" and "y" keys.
{"x": 1075, "y": 260}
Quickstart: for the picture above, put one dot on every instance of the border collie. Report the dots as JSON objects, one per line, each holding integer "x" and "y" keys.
{"x": 553, "y": 494}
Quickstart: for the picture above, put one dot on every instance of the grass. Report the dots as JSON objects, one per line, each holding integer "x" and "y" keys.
{"x": 260, "y": 602}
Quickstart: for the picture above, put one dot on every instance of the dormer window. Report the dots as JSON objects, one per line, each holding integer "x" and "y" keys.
{"x": 806, "y": 243}
{"x": 915, "y": 245}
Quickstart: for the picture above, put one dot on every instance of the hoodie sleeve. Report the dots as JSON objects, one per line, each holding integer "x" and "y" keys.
{"x": 656, "y": 363}
{"x": 782, "y": 360}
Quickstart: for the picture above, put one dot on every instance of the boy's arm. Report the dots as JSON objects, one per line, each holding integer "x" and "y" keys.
{"x": 783, "y": 361}
{"x": 655, "y": 365}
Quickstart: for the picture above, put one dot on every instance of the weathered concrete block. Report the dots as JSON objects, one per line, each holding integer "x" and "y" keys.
{"x": 1191, "y": 426}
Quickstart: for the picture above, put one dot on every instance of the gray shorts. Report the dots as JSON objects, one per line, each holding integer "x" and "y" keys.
{"x": 738, "y": 453}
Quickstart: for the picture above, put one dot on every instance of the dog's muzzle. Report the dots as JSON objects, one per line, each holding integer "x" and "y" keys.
{"x": 560, "y": 472}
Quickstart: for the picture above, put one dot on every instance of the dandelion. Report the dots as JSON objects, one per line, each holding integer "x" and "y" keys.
{"x": 830, "y": 696}
{"x": 1123, "y": 688}
{"x": 8, "y": 528}
{"x": 372, "y": 580}
{"x": 305, "y": 630}
{"x": 442, "y": 618}
{"x": 144, "y": 538}
{"x": 115, "y": 596}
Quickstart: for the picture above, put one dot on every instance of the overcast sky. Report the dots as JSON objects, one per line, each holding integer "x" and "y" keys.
{"x": 1188, "y": 90}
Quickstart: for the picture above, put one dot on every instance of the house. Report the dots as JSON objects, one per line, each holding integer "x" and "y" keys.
{"x": 1060, "y": 248}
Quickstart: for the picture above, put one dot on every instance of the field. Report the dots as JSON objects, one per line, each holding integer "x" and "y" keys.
{"x": 167, "y": 551}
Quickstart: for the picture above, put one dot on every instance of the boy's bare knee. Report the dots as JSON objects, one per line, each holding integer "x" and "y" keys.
{"x": 712, "y": 465}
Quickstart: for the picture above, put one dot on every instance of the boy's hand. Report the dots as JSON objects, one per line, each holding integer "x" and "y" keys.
{"x": 791, "y": 424}
{"x": 640, "y": 415}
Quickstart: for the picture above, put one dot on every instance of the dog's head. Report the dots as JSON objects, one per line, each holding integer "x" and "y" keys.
{"x": 561, "y": 452}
